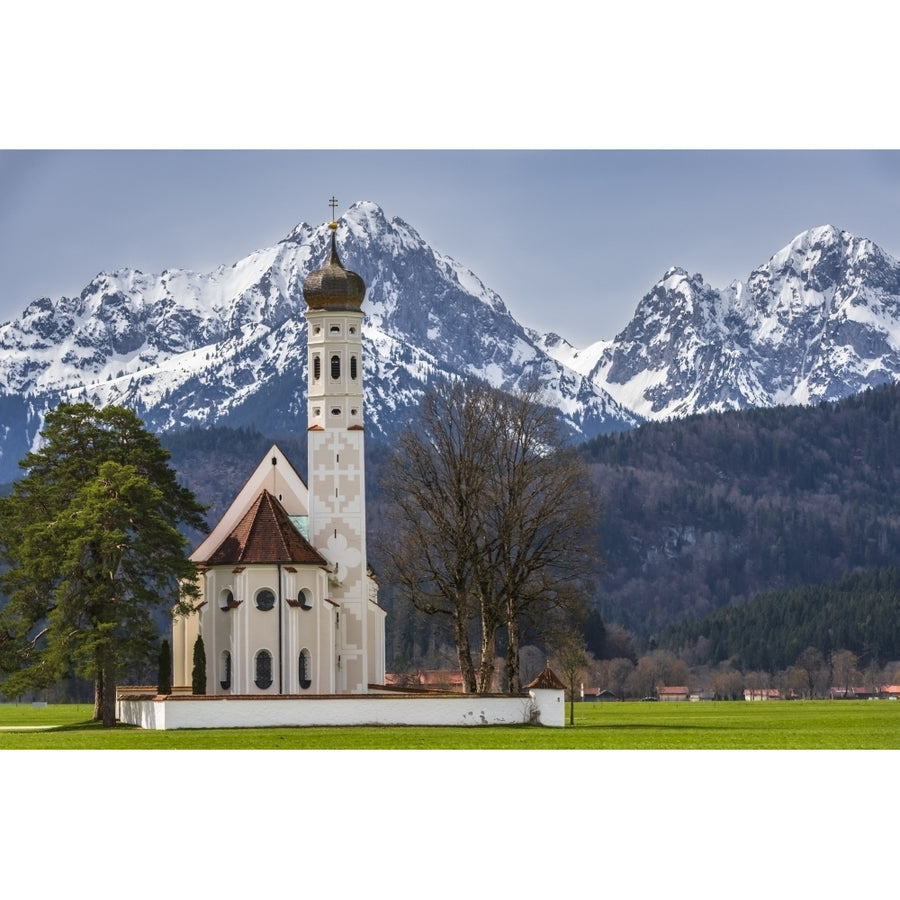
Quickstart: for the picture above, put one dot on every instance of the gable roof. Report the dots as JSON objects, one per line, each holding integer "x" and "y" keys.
{"x": 276, "y": 474}
{"x": 264, "y": 535}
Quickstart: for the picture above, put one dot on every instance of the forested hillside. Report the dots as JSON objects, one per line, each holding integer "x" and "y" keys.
{"x": 708, "y": 511}
{"x": 698, "y": 515}
{"x": 859, "y": 613}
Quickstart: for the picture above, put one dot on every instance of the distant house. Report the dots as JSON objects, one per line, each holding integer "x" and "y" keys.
{"x": 696, "y": 696}
{"x": 860, "y": 693}
{"x": 595, "y": 695}
{"x": 668, "y": 693}
{"x": 762, "y": 694}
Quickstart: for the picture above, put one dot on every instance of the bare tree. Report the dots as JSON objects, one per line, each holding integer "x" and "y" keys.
{"x": 572, "y": 659}
{"x": 490, "y": 518}
{"x": 812, "y": 664}
{"x": 538, "y": 516}
{"x": 844, "y": 671}
{"x": 433, "y": 490}
{"x": 620, "y": 670}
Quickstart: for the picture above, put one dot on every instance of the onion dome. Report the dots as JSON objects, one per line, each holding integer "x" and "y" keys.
{"x": 333, "y": 286}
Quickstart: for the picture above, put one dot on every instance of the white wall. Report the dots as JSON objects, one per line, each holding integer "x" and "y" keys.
{"x": 261, "y": 712}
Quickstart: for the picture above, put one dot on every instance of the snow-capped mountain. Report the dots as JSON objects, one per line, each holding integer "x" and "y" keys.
{"x": 229, "y": 347}
{"x": 819, "y": 321}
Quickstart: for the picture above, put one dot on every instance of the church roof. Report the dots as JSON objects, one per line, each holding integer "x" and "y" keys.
{"x": 264, "y": 535}
{"x": 547, "y": 680}
{"x": 333, "y": 286}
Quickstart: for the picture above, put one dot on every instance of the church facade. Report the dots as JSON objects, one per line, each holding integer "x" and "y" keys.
{"x": 289, "y": 603}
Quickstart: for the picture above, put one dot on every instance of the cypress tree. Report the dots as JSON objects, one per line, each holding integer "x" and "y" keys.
{"x": 164, "y": 671}
{"x": 198, "y": 675}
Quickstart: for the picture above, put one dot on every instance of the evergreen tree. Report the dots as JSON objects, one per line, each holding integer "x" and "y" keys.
{"x": 164, "y": 676}
{"x": 90, "y": 539}
{"x": 198, "y": 673}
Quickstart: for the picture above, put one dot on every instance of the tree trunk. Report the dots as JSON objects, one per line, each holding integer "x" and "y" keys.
{"x": 464, "y": 653}
{"x": 512, "y": 653}
{"x": 488, "y": 653}
{"x": 105, "y": 691}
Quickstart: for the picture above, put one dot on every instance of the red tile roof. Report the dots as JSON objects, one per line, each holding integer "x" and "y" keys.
{"x": 547, "y": 680}
{"x": 265, "y": 535}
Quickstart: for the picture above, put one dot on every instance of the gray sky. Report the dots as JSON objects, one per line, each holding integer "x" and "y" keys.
{"x": 570, "y": 238}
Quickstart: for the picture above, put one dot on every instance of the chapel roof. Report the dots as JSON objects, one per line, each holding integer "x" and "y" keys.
{"x": 265, "y": 535}
{"x": 547, "y": 680}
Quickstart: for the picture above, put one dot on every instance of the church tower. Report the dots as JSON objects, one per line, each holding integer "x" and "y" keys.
{"x": 336, "y": 475}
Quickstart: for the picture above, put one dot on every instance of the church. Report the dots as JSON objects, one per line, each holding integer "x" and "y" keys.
{"x": 289, "y": 604}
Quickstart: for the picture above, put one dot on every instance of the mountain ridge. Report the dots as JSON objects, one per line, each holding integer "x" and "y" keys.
{"x": 229, "y": 346}
{"x": 818, "y": 321}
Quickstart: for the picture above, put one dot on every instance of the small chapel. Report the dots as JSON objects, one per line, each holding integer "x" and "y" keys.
{"x": 289, "y": 604}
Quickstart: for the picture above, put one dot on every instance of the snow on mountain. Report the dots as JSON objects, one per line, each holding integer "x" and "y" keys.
{"x": 819, "y": 321}
{"x": 229, "y": 347}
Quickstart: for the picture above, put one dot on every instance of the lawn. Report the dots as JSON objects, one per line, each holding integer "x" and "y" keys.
{"x": 816, "y": 725}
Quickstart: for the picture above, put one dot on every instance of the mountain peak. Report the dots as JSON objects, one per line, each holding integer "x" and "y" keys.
{"x": 187, "y": 349}
{"x": 819, "y": 320}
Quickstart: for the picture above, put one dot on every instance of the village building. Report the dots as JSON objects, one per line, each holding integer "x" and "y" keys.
{"x": 670, "y": 693}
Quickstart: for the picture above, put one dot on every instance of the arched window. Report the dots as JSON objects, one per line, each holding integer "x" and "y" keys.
{"x": 335, "y": 366}
{"x": 265, "y": 600}
{"x": 305, "y": 670}
{"x": 225, "y": 670}
{"x": 317, "y": 367}
{"x": 353, "y": 367}
{"x": 226, "y": 598}
{"x": 304, "y": 598}
{"x": 262, "y": 674}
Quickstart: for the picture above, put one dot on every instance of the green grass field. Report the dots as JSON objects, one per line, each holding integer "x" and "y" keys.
{"x": 815, "y": 725}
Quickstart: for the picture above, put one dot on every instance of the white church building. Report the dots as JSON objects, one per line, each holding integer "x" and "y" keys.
{"x": 289, "y": 603}
{"x": 292, "y": 630}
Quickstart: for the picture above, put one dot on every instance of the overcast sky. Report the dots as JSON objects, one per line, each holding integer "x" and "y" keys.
{"x": 571, "y": 239}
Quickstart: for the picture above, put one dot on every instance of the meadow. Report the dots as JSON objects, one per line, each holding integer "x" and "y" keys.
{"x": 801, "y": 725}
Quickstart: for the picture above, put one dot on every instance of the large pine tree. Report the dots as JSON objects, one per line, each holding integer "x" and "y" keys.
{"x": 90, "y": 537}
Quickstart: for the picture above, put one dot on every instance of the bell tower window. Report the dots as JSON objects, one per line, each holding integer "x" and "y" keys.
{"x": 317, "y": 367}
{"x": 353, "y": 367}
{"x": 335, "y": 366}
